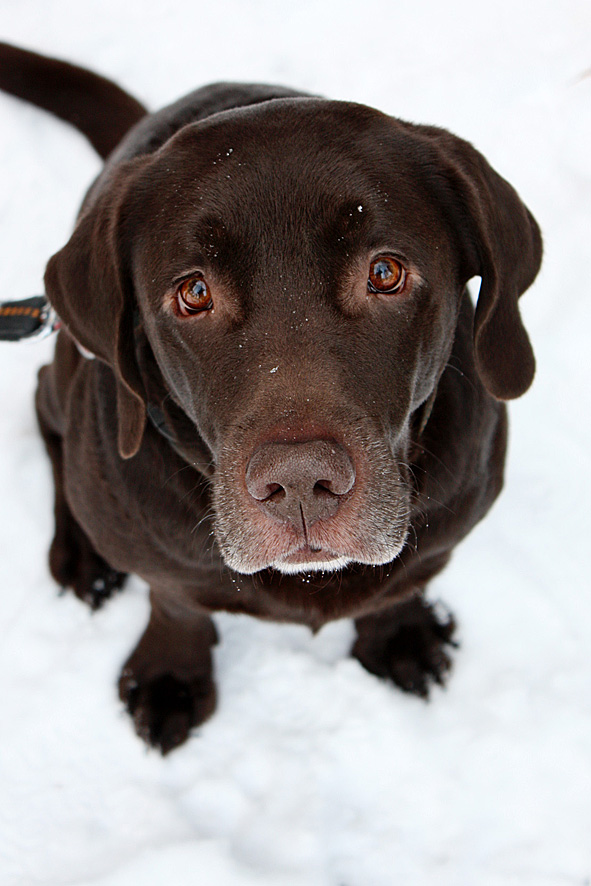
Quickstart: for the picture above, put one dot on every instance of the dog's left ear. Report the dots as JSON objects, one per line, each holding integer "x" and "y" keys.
{"x": 89, "y": 284}
{"x": 501, "y": 243}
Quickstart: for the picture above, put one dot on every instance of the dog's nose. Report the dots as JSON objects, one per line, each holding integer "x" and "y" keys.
{"x": 300, "y": 483}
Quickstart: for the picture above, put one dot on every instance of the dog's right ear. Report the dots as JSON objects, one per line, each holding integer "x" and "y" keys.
{"x": 88, "y": 282}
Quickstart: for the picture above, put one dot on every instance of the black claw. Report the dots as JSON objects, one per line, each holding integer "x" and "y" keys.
{"x": 103, "y": 586}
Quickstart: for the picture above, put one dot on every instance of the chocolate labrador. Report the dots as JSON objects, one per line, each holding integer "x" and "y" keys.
{"x": 271, "y": 393}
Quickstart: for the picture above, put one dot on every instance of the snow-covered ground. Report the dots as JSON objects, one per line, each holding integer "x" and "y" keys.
{"x": 313, "y": 773}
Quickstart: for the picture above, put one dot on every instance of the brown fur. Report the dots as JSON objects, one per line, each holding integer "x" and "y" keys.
{"x": 304, "y": 416}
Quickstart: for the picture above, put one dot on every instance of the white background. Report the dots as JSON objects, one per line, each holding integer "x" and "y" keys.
{"x": 312, "y": 772}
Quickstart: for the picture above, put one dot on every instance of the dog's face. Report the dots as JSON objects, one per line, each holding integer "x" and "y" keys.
{"x": 298, "y": 268}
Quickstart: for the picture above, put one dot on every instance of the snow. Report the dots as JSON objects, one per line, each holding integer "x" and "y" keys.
{"x": 312, "y": 772}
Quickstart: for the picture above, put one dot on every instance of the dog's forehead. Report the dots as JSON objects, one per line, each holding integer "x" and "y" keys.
{"x": 289, "y": 178}
{"x": 292, "y": 150}
{"x": 285, "y": 127}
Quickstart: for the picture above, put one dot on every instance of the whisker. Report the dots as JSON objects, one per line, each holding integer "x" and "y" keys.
{"x": 450, "y": 365}
{"x": 210, "y": 512}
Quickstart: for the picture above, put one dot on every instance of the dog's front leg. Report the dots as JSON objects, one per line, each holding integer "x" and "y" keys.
{"x": 73, "y": 561}
{"x": 167, "y": 682}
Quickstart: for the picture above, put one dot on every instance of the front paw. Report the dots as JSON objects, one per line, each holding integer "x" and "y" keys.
{"x": 75, "y": 564}
{"x": 164, "y": 708}
{"x": 408, "y": 645}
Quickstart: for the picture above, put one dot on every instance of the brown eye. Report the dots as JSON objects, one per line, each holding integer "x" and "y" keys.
{"x": 386, "y": 275}
{"x": 193, "y": 296}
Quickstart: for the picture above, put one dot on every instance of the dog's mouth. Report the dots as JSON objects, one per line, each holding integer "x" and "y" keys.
{"x": 310, "y": 559}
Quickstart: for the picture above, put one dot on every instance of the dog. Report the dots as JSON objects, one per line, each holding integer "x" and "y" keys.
{"x": 271, "y": 393}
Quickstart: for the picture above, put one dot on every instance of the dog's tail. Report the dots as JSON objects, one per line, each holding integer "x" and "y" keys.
{"x": 97, "y": 107}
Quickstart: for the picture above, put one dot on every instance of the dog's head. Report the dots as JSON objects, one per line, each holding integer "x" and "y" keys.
{"x": 295, "y": 270}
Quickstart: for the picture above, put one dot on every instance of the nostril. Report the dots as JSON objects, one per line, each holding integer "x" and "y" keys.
{"x": 275, "y": 492}
{"x": 324, "y": 487}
